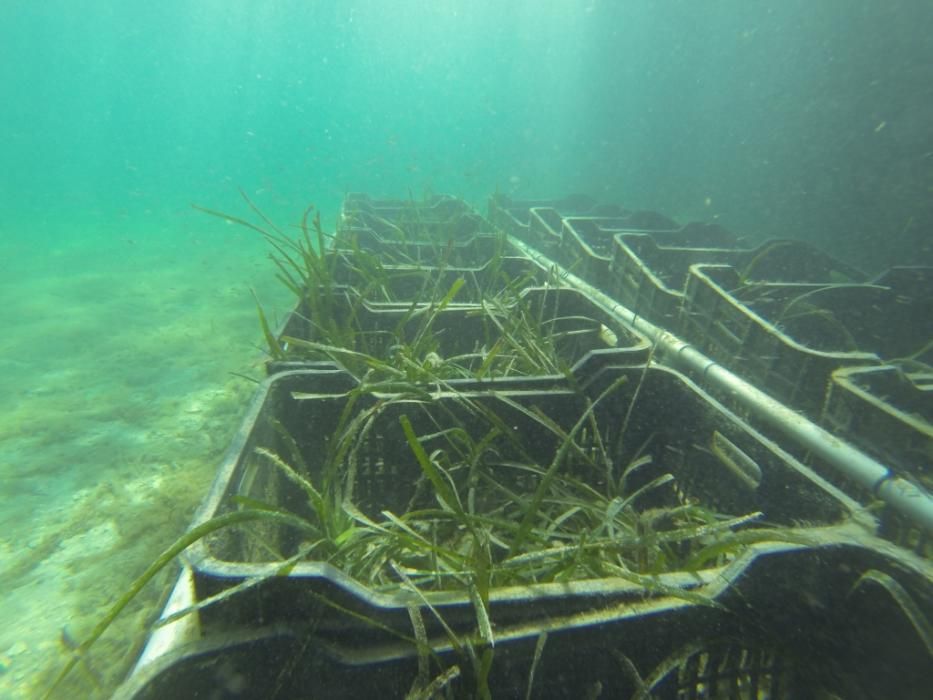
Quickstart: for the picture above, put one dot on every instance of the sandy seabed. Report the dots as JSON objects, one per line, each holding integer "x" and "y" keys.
{"x": 117, "y": 400}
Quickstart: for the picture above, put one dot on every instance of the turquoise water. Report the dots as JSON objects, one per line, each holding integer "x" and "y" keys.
{"x": 127, "y": 315}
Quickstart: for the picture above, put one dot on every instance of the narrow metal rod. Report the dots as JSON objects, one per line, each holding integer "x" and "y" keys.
{"x": 902, "y": 495}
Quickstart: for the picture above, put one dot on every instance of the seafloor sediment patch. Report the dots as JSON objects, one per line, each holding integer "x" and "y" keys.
{"x": 116, "y": 401}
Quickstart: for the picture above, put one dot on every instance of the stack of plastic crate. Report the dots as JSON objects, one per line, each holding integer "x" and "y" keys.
{"x": 741, "y": 571}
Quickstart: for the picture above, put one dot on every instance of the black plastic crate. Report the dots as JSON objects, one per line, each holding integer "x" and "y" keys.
{"x": 437, "y": 208}
{"x": 587, "y": 243}
{"x": 570, "y": 321}
{"x": 393, "y": 283}
{"x": 886, "y": 410}
{"x": 788, "y": 337}
{"x": 581, "y": 249}
{"x": 546, "y": 231}
{"x": 648, "y": 272}
{"x": 448, "y": 248}
{"x": 595, "y": 234}
{"x": 514, "y": 215}
{"x": 755, "y": 345}
{"x": 844, "y": 620}
{"x": 440, "y": 228}
{"x": 373, "y": 231}
{"x": 673, "y": 421}
{"x": 538, "y": 222}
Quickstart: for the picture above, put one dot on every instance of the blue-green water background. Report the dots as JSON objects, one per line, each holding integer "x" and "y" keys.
{"x": 124, "y": 310}
{"x": 119, "y": 114}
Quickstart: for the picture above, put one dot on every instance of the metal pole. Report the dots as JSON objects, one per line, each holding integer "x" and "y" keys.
{"x": 902, "y": 495}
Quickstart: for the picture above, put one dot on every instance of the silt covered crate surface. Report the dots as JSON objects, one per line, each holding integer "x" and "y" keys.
{"x": 518, "y": 484}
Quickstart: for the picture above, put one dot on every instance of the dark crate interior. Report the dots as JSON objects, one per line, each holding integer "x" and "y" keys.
{"x": 671, "y": 421}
